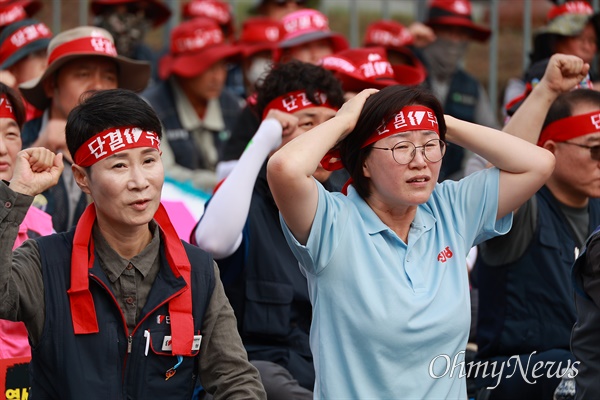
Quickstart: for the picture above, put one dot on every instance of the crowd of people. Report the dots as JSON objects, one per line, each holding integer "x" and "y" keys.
{"x": 373, "y": 232}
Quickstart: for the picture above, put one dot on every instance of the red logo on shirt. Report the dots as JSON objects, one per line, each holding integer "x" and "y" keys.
{"x": 163, "y": 318}
{"x": 445, "y": 254}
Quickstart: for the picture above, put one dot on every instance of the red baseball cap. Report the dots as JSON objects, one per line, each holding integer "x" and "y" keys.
{"x": 195, "y": 46}
{"x": 260, "y": 34}
{"x": 17, "y": 10}
{"x": 154, "y": 10}
{"x": 361, "y": 68}
{"x": 456, "y": 13}
{"x": 213, "y": 9}
{"x": 389, "y": 34}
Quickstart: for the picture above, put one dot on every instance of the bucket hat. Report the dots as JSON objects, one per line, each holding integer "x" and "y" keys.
{"x": 81, "y": 42}
{"x": 259, "y": 34}
{"x": 17, "y": 10}
{"x": 456, "y": 13}
{"x": 213, "y": 9}
{"x": 195, "y": 46}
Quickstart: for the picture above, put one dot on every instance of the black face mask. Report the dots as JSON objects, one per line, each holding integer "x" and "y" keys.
{"x": 128, "y": 29}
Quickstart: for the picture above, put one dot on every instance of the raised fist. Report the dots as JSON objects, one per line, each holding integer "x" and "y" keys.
{"x": 36, "y": 169}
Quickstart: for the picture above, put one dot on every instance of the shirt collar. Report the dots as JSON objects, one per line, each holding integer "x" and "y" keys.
{"x": 113, "y": 264}
{"x": 423, "y": 221}
{"x": 213, "y": 118}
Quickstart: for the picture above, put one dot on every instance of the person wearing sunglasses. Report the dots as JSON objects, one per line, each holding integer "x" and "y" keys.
{"x": 526, "y": 306}
{"x": 385, "y": 264}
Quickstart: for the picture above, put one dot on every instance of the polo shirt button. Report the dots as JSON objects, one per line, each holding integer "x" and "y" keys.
{"x": 8, "y": 204}
{"x": 130, "y": 300}
{"x": 129, "y": 266}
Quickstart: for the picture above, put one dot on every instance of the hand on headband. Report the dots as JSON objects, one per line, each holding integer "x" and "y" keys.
{"x": 36, "y": 170}
{"x": 351, "y": 109}
{"x": 564, "y": 72}
{"x": 288, "y": 123}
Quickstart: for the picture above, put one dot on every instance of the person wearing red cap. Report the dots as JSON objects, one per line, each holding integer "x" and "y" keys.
{"x": 120, "y": 301}
{"x": 79, "y": 59}
{"x": 240, "y": 228}
{"x": 364, "y": 68}
{"x": 459, "y": 92}
{"x": 128, "y": 21}
{"x": 17, "y": 10}
{"x": 13, "y": 335}
{"x": 196, "y": 110}
{"x": 307, "y": 37}
{"x": 23, "y": 46}
{"x": 526, "y": 307}
{"x": 396, "y": 39}
{"x": 217, "y": 10}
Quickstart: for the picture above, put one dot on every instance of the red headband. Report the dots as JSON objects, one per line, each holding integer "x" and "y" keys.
{"x": 410, "y": 118}
{"x": 114, "y": 140}
{"x": 297, "y": 101}
{"x": 85, "y": 45}
{"x": 6, "y": 109}
{"x": 571, "y": 127}
{"x": 22, "y": 37}
{"x": 81, "y": 300}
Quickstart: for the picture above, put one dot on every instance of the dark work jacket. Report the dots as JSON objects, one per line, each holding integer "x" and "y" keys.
{"x": 585, "y": 339}
{"x": 267, "y": 291}
{"x": 185, "y": 149}
{"x": 57, "y": 198}
{"x": 100, "y": 366}
{"x": 527, "y": 305}
{"x": 462, "y": 98}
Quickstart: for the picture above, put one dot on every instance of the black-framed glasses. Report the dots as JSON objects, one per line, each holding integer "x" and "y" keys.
{"x": 594, "y": 150}
{"x": 404, "y": 152}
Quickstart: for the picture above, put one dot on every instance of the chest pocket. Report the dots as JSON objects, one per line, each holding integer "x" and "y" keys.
{"x": 268, "y": 308}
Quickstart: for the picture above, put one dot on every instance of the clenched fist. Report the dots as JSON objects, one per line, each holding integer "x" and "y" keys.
{"x": 36, "y": 170}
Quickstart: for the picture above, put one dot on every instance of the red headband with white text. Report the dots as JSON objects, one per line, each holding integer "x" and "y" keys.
{"x": 297, "y": 101}
{"x": 6, "y": 109}
{"x": 410, "y": 118}
{"x": 84, "y": 45}
{"x": 571, "y": 127}
{"x": 114, "y": 140}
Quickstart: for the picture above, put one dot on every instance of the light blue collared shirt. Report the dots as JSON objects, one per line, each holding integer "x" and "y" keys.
{"x": 390, "y": 318}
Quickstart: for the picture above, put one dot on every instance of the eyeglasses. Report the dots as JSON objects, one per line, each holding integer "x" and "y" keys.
{"x": 404, "y": 152}
{"x": 594, "y": 150}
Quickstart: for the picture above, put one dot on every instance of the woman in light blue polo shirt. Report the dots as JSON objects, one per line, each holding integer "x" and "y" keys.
{"x": 386, "y": 263}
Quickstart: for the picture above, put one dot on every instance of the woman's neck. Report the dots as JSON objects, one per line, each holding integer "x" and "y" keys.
{"x": 398, "y": 218}
{"x": 128, "y": 243}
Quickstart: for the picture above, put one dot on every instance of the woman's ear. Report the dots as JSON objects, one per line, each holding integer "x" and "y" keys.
{"x": 550, "y": 145}
{"x": 82, "y": 178}
{"x": 365, "y": 168}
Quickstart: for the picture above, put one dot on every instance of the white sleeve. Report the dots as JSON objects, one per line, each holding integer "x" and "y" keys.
{"x": 220, "y": 229}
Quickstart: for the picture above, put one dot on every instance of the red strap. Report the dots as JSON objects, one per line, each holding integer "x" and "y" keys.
{"x": 83, "y": 311}
{"x": 180, "y": 307}
{"x": 82, "y": 302}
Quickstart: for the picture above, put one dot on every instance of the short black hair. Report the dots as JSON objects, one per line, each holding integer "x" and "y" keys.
{"x": 15, "y": 101}
{"x": 380, "y": 108}
{"x": 297, "y": 75}
{"x": 105, "y": 109}
{"x": 565, "y": 104}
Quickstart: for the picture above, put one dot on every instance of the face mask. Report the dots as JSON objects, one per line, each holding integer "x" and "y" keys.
{"x": 258, "y": 69}
{"x": 443, "y": 57}
{"x": 128, "y": 30}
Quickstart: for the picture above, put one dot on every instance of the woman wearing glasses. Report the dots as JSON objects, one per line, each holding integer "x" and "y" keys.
{"x": 385, "y": 263}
